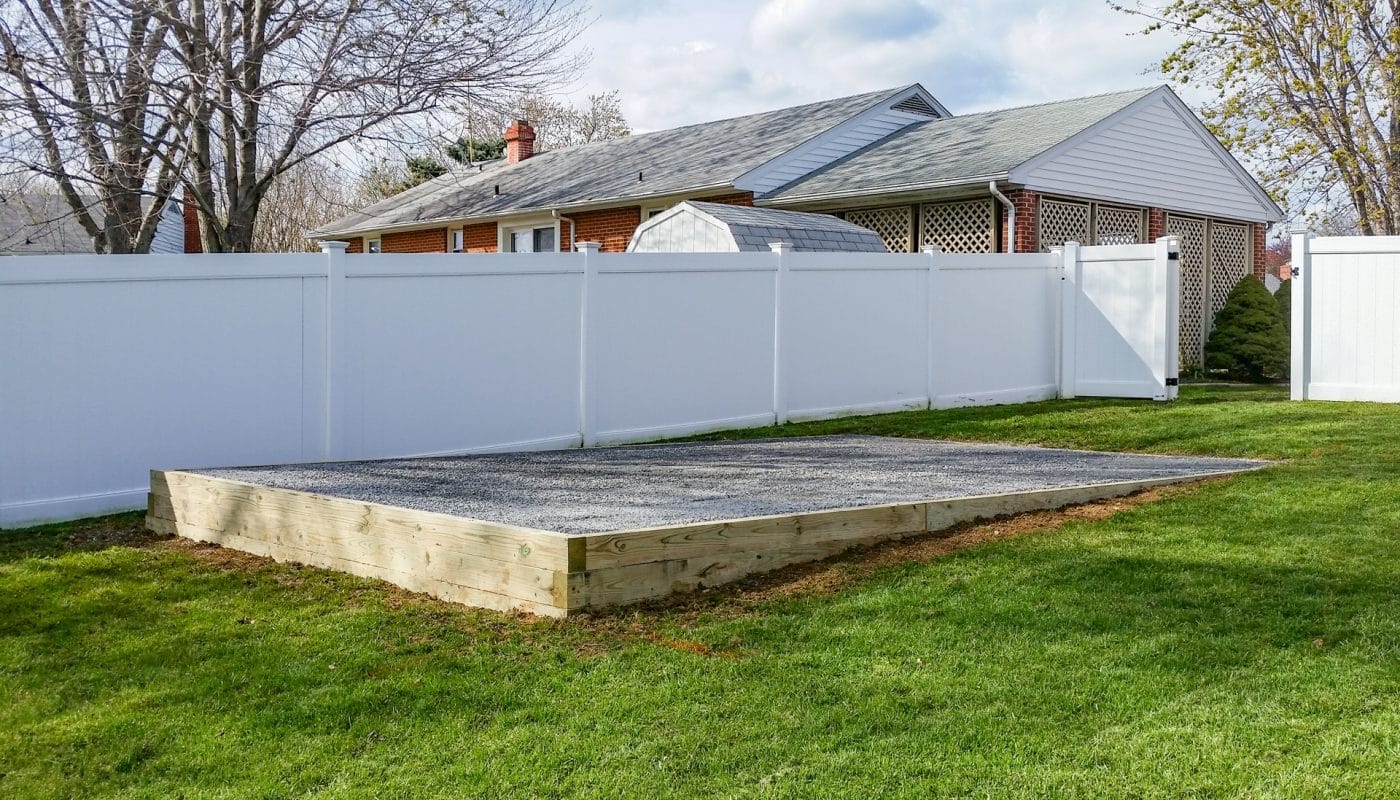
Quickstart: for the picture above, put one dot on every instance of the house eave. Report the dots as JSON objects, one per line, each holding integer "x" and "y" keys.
{"x": 880, "y": 192}
{"x": 584, "y": 205}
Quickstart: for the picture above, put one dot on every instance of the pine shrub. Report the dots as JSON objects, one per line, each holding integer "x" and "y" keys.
{"x": 1284, "y": 298}
{"x": 1249, "y": 341}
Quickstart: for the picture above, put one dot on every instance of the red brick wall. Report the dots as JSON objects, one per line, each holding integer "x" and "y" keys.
{"x": 1027, "y": 204}
{"x": 193, "y": 242}
{"x": 1156, "y": 224}
{"x": 612, "y": 227}
{"x": 479, "y": 238}
{"x": 429, "y": 241}
{"x": 736, "y": 199}
{"x": 1260, "y": 259}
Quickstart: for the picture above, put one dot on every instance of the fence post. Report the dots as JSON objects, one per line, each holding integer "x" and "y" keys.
{"x": 1300, "y": 325}
{"x": 1172, "y": 245}
{"x": 934, "y": 264}
{"x": 331, "y": 440}
{"x": 780, "y": 405}
{"x": 587, "y": 417}
{"x": 1071, "y": 275}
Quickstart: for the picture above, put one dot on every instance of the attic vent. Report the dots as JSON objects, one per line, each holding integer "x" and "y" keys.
{"x": 916, "y": 105}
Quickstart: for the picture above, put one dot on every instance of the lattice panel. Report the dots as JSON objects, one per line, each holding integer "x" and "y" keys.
{"x": 961, "y": 227}
{"x": 1115, "y": 225}
{"x": 1062, "y": 222}
{"x": 1193, "y": 286}
{"x": 893, "y": 224}
{"x": 1229, "y": 262}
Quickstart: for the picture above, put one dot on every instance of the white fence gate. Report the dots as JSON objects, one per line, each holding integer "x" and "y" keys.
{"x": 113, "y": 365}
{"x": 1346, "y": 318}
{"x": 1122, "y": 327}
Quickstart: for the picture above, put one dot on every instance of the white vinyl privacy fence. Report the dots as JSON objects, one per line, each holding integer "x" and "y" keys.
{"x": 113, "y": 365}
{"x": 1346, "y": 318}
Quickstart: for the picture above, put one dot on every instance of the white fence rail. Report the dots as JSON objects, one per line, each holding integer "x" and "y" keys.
{"x": 1346, "y": 318}
{"x": 114, "y": 365}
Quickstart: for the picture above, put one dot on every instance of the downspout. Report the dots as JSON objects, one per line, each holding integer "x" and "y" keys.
{"x": 573, "y": 228}
{"x": 1010, "y": 215}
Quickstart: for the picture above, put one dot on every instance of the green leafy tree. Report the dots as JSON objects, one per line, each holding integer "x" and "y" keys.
{"x": 1306, "y": 90}
{"x": 1284, "y": 298}
{"x": 1249, "y": 341}
{"x": 467, "y": 150}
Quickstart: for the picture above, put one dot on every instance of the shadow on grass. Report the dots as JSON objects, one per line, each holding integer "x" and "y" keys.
{"x": 78, "y": 536}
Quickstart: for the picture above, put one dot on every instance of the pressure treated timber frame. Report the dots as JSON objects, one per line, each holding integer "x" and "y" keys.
{"x": 509, "y": 568}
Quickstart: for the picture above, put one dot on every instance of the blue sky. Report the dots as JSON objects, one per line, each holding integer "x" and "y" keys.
{"x": 680, "y": 61}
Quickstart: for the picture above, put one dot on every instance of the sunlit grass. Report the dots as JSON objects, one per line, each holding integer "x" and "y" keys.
{"x": 1241, "y": 640}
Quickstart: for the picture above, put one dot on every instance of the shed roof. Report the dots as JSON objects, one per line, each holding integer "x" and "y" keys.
{"x": 754, "y": 229}
{"x": 695, "y": 157}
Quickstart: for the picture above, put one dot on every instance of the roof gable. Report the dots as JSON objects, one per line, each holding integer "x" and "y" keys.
{"x": 958, "y": 150}
{"x": 1153, "y": 152}
{"x": 911, "y": 105}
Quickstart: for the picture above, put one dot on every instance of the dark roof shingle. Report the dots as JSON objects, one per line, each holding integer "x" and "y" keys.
{"x": 710, "y": 154}
{"x": 987, "y": 145}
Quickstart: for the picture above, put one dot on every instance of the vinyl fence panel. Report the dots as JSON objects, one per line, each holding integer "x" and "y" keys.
{"x": 995, "y": 319}
{"x": 114, "y": 365}
{"x": 1346, "y": 318}
{"x": 855, "y": 333}
{"x": 111, "y": 366}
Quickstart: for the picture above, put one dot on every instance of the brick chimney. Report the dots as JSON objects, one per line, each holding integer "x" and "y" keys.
{"x": 193, "y": 242}
{"x": 520, "y": 142}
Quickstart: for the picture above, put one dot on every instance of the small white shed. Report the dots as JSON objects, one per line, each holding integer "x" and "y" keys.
{"x": 696, "y": 227}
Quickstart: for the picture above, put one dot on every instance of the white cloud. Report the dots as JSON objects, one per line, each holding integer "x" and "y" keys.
{"x": 703, "y": 61}
{"x": 809, "y": 22}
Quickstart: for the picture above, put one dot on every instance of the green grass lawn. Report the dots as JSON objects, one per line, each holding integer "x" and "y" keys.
{"x": 1238, "y": 640}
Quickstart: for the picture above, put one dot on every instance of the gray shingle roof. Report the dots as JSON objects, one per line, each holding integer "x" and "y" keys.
{"x": 37, "y": 224}
{"x": 986, "y": 145}
{"x": 711, "y": 154}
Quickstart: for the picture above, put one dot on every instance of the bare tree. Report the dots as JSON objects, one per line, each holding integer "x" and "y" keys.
{"x": 119, "y": 100}
{"x": 278, "y": 82}
{"x": 557, "y": 122}
{"x": 1308, "y": 90}
{"x": 89, "y": 101}
{"x": 302, "y": 198}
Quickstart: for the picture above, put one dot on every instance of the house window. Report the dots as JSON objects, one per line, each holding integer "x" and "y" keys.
{"x": 373, "y": 246}
{"x": 532, "y": 240}
{"x": 455, "y": 241}
{"x": 648, "y": 213}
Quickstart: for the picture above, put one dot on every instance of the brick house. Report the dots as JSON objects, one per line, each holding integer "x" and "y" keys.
{"x": 1123, "y": 167}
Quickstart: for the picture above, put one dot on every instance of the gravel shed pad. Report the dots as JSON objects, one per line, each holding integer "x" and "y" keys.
{"x": 607, "y": 489}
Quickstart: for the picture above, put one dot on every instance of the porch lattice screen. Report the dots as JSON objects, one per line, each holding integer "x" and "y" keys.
{"x": 1117, "y": 225}
{"x": 895, "y": 225}
{"x": 1194, "y": 323}
{"x": 1229, "y": 261}
{"x": 1061, "y": 222}
{"x": 966, "y": 226}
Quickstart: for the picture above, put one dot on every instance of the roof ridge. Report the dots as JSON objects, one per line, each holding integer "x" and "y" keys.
{"x": 875, "y": 96}
{"x": 1142, "y": 89}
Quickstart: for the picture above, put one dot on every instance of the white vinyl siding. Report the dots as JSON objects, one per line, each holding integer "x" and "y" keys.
{"x": 684, "y": 233}
{"x": 1149, "y": 156}
{"x": 170, "y": 231}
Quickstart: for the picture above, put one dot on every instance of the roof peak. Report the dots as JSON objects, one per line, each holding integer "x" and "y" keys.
{"x": 1142, "y": 90}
